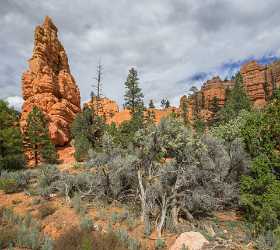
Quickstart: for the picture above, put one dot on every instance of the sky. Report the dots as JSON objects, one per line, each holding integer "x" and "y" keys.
{"x": 173, "y": 44}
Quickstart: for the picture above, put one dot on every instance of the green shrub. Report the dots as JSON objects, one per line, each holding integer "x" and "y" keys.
{"x": 160, "y": 244}
{"x": 86, "y": 224}
{"x": 9, "y": 186}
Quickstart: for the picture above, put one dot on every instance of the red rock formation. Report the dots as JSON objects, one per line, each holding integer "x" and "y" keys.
{"x": 106, "y": 107}
{"x": 49, "y": 85}
{"x": 125, "y": 115}
{"x": 200, "y": 103}
{"x": 260, "y": 81}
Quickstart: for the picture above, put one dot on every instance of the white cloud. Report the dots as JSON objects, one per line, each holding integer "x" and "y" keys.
{"x": 168, "y": 41}
{"x": 15, "y": 102}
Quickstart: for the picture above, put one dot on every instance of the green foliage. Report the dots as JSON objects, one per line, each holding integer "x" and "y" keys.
{"x": 11, "y": 156}
{"x": 160, "y": 244}
{"x": 184, "y": 110}
{"x": 11, "y": 182}
{"x": 236, "y": 101}
{"x": 21, "y": 232}
{"x": 86, "y": 224}
{"x": 261, "y": 195}
{"x": 260, "y": 191}
{"x": 199, "y": 126}
{"x": 133, "y": 96}
{"x": 9, "y": 186}
{"x": 36, "y": 138}
{"x": 87, "y": 130}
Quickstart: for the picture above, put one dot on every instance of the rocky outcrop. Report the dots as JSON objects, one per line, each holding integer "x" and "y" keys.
{"x": 49, "y": 85}
{"x": 104, "y": 107}
{"x": 125, "y": 115}
{"x": 260, "y": 81}
{"x": 201, "y": 102}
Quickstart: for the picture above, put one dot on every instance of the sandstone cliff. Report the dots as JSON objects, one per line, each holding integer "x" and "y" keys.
{"x": 49, "y": 85}
{"x": 259, "y": 82}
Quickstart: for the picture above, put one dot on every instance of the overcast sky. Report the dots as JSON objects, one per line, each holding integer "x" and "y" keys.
{"x": 174, "y": 44}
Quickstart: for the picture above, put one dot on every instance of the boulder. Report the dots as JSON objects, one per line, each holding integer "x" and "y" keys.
{"x": 191, "y": 240}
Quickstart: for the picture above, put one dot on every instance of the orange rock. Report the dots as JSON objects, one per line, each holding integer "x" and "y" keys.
{"x": 201, "y": 102}
{"x": 106, "y": 107}
{"x": 260, "y": 81}
{"x": 49, "y": 85}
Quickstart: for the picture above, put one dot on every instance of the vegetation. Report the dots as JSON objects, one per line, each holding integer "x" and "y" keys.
{"x": 237, "y": 100}
{"x": 11, "y": 155}
{"x": 87, "y": 130}
{"x": 36, "y": 138}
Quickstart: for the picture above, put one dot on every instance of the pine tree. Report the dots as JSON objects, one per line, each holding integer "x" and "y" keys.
{"x": 11, "y": 155}
{"x": 133, "y": 96}
{"x": 36, "y": 138}
{"x": 237, "y": 100}
{"x": 151, "y": 104}
{"x": 214, "y": 105}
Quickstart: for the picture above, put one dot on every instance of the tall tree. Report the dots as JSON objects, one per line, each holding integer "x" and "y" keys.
{"x": 133, "y": 95}
{"x": 184, "y": 110}
{"x": 98, "y": 90}
{"x": 37, "y": 140}
{"x": 237, "y": 100}
{"x": 11, "y": 156}
{"x": 151, "y": 104}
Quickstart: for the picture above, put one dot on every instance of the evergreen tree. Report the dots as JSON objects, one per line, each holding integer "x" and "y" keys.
{"x": 133, "y": 96}
{"x": 36, "y": 138}
{"x": 87, "y": 130}
{"x": 11, "y": 155}
{"x": 214, "y": 105}
{"x": 236, "y": 101}
{"x": 167, "y": 104}
{"x": 151, "y": 104}
{"x": 184, "y": 110}
{"x": 149, "y": 117}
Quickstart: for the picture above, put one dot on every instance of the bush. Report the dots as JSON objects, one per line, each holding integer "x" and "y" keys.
{"x": 45, "y": 210}
{"x": 75, "y": 238}
{"x": 9, "y": 186}
{"x": 160, "y": 244}
{"x": 86, "y": 224}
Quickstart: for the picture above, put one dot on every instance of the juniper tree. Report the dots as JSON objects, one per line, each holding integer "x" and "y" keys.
{"x": 36, "y": 138}
{"x": 11, "y": 156}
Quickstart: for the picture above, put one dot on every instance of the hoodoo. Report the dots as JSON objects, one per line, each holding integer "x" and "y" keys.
{"x": 49, "y": 85}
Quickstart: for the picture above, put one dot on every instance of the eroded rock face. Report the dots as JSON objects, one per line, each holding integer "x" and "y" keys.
{"x": 49, "y": 85}
{"x": 260, "y": 81}
{"x": 106, "y": 107}
{"x": 200, "y": 103}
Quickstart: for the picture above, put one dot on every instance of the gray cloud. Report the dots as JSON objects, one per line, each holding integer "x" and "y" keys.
{"x": 168, "y": 41}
